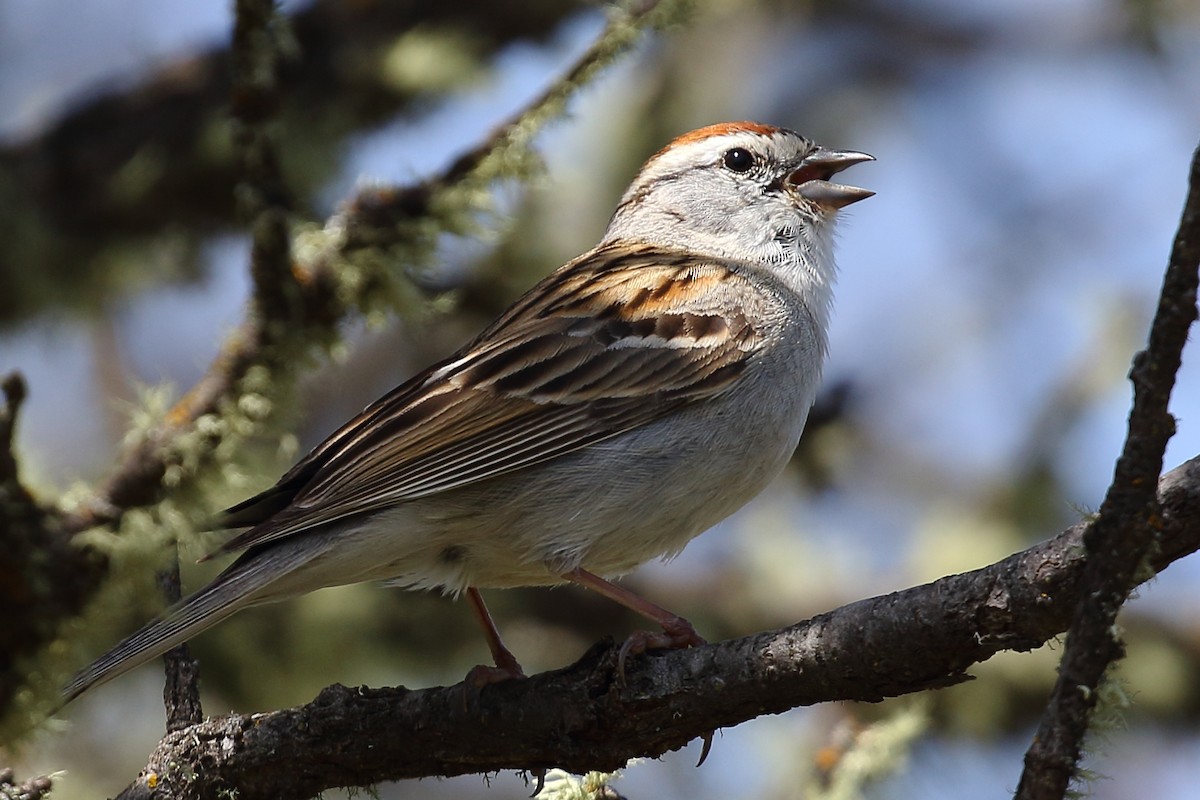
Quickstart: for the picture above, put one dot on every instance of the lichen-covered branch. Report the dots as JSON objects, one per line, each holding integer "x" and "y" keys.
{"x": 352, "y": 263}
{"x": 255, "y": 100}
{"x": 580, "y": 718}
{"x": 34, "y": 549}
{"x": 1126, "y": 530}
{"x": 32, "y": 789}
{"x": 121, "y": 167}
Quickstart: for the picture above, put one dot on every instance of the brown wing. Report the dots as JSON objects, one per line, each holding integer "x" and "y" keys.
{"x": 611, "y": 341}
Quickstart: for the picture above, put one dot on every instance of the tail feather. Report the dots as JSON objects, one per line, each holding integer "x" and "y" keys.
{"x": 246, "y": 582}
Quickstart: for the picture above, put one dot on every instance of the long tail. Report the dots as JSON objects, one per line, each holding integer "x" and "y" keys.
{"x": 248, "y": 581}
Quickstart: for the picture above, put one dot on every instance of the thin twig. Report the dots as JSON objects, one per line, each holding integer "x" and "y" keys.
{"x": 181, "y": 689}
{"x": 263, "y": 199}
{"x": 14, "y": 391}
{"x": 373, "y": 214}
{"x": 1127, "y": 527}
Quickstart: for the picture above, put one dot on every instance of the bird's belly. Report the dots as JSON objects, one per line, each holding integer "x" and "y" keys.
{"x": 606, "y": 508}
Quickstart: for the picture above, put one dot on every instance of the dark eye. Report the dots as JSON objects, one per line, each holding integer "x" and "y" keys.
{"x": 739, "y": 159}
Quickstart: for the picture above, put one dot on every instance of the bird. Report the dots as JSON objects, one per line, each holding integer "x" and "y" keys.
{"x": 629, "y": 401}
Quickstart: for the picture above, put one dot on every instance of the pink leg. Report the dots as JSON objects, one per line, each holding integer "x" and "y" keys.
{"x": 677, "y": 631}
{"x": 506, "y": 667}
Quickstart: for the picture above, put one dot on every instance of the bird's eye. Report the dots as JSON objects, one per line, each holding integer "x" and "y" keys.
{"x": 739, "y": 159}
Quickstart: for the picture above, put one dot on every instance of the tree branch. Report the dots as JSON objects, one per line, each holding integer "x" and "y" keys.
{"x": 15, "y": 391}
{"x": 579, "y": 718}
{"x": 1126, "y": 529}
{"x": 181, "y": 689}
{"x": 255, "y": 100}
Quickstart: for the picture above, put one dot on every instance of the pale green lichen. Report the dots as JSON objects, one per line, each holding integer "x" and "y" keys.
{"x": 563, "y": 785}
{"x": 369, "y": 279}
{"x": 877, "y": 751}
{"x": 1145, "y": 569}
{"x": 426, "y": 59}
{"x": 1108, "y": 715}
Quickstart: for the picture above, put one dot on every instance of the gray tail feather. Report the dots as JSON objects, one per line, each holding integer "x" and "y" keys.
{"x": 239, "y": 586}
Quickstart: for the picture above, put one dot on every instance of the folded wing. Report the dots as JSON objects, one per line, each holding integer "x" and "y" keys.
{"x": 614, "y": 340}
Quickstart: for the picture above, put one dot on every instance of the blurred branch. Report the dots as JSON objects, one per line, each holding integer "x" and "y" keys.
{"x": 32, "y": 789}
{"x": 579, "y": 718}
{"x": 14, "y": 390}
{"x": 35, "y": 595}
{"x": 255, "y": 100}
{"x": 132, "y": 164}
{"x": 1126, "y": 530}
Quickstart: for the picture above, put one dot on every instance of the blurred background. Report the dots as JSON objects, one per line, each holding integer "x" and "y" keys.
{"x": 1032, "y": 163}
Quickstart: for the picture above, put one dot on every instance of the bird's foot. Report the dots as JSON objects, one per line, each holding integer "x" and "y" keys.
{"x": 483, "y": 675}
{"x": 676, "y": 634}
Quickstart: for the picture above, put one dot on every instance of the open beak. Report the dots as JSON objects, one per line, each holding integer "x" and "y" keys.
{"x": 812, "y": 178}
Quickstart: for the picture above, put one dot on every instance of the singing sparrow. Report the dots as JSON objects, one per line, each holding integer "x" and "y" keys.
{"x": 632, "y": 399}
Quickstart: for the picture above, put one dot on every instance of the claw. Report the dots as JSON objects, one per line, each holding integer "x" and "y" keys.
{"x": 677, "y": 632}
{"x": 675, "y": 636}
{"x": 706, "y": 749}
{"x": 506, "y": 668}
{"x": 483, "y": 675}
{"x": 540, "y": 774}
